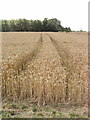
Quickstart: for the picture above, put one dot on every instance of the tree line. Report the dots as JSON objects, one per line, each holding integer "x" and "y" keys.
{"x": 52, "y": 25}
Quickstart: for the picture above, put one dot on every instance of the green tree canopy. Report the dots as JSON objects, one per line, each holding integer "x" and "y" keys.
{"x": 53, "y": 25}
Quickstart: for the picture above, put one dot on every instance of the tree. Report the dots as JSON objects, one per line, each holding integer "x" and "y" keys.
{"x": 45, "y": 24}
{"x": 0, "y": 25}
{"x": 67, "y": 29}
{"x": 53, "y": 25}
{"x": 36, "y": 25}
{"x": 5, "y": 26}
{"x": 26, "y": 25}
{"x": 13, "y": 25}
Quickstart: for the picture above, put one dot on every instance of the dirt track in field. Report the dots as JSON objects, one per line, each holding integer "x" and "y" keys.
{"x": 47, "y": 74}
{"x": 28, "y": 58}
{"x": 41, "y": 75}
{"x": 48, "y": 65}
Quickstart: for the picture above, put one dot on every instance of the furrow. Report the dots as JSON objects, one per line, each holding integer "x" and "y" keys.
{"x": 74, "y": 65}
{"x": 44, "y": 76}
{"x": 14, "y": 70}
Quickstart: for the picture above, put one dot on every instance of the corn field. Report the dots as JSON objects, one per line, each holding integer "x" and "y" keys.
{"x": 45, "y": 68}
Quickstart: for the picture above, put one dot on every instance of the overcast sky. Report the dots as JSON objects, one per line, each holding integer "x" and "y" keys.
{"x": 71, "y": 13}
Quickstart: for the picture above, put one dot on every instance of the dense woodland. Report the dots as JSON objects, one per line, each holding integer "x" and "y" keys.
{"x": 52, "y": 25}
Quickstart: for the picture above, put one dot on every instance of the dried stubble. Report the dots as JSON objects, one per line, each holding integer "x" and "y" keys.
{"x": 15, "y": 57}
{"x": 57, "y": 74}
{"x": 45, "y": 76}
{"x": 73, "y": 50}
